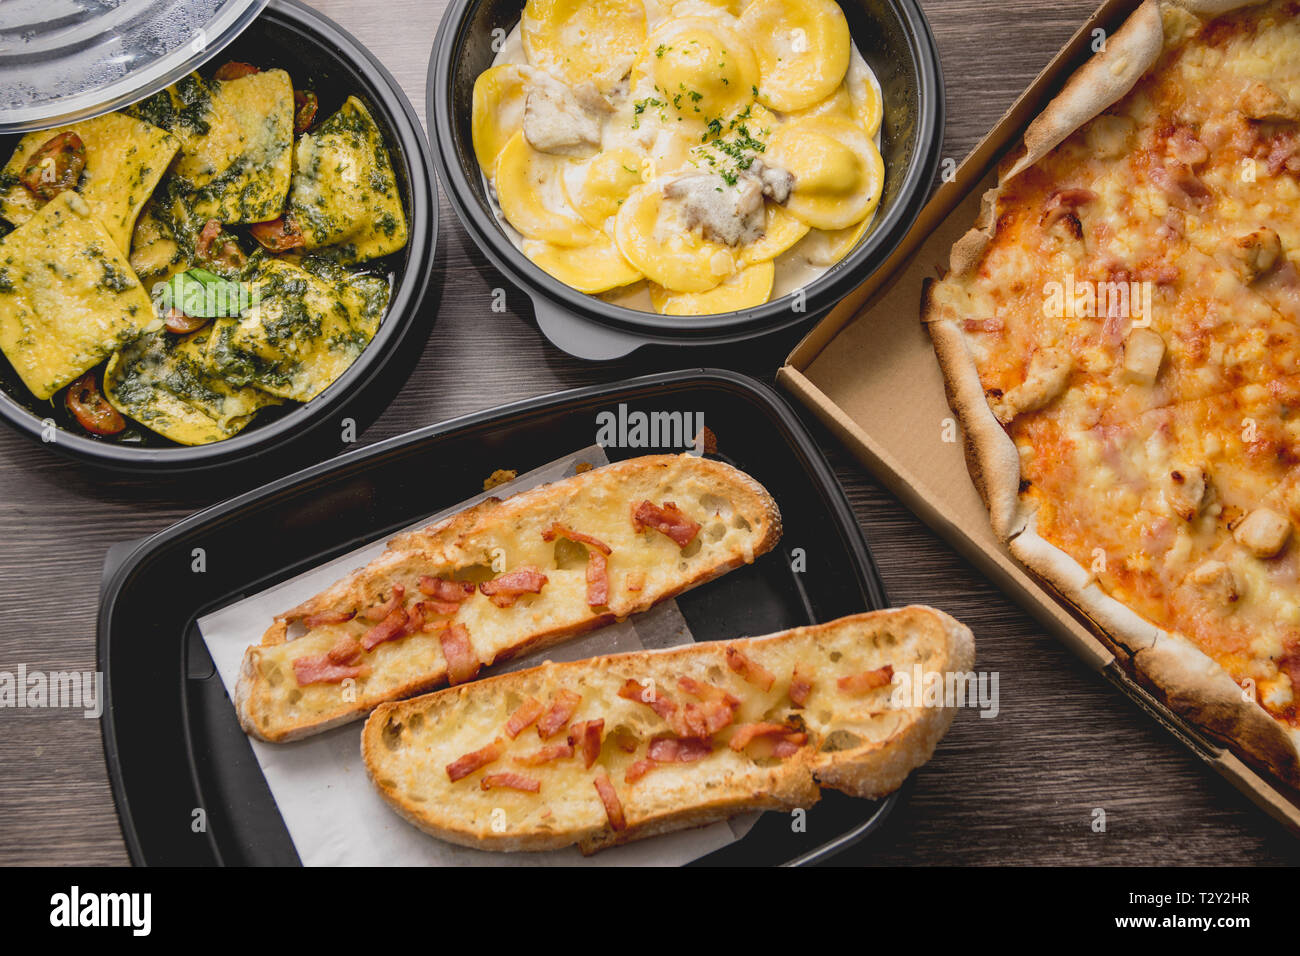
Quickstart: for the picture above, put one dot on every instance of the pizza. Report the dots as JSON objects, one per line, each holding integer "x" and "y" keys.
{"x": 1120, "y": 338}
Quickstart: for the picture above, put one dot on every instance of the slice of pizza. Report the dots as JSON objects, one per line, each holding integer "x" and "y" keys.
{"x": 1139, "y": 508}
{"x": 1120, "y": 337}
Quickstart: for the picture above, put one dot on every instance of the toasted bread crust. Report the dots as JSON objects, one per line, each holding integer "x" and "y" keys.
{"x": 868, "y": 769}
{"x": 1191, "y": 682}
{"x": 409, "y": 553}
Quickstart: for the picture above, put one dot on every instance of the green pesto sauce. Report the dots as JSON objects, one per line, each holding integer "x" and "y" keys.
{"x": 240, "y": 368}
{"x": 115, "y": 279}
{"x": 190, "y": 111}
{"x": 156, "y": 363}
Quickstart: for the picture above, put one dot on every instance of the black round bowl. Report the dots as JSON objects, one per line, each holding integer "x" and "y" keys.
{"x": 894, "y": 38}
{"x": 316, "y": 52}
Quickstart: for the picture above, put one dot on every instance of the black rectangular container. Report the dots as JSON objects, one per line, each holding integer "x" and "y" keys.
{"x": 170, "y": 735}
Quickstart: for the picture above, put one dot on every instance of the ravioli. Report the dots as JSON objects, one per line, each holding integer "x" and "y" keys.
{"x": 598, "y": 267}
{"x": 532, "y": 198}
{"x": 705, "y": 138}
{"x": 304, "y": 330}
{"x": 162, "y": 381}
{"x": 838, "y": 172}
{"x": 183, "y": 109}
{"x": 236, "y": 141}
{"x": 68, "y": 298}
{"x": 702, "y": 68}
{"x": 344, "y": 191}
{"x": 803, "y": 49}
{"x": 499, "y": 96}
{"x": 652, "y": 238}
{"x": 163, "y": 242}
{"x": 125, "y": 158}
{"x": 746, "y": 289}
{"x": 584, "y": 40}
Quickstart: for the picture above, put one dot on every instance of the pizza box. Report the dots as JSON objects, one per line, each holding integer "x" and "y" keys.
{"x": 869, "y": 372}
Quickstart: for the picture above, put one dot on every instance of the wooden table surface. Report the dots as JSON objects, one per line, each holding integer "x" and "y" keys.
{"x": 1017, "y": 789}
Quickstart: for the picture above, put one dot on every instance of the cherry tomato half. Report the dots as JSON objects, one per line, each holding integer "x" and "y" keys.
{"x": 56, "y": 166}
{"x": 305, "y": 106}
{"x": 233, "y": 70}
{"x": 91, "y": 409}
{"x": 278, "y": 235}
{"x": 181, "y": 324}
{"x": 211, "y": 229}
{"x": 226, "y": 253}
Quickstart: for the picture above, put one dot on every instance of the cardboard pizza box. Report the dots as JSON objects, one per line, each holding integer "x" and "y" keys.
{"x": 869, "y": 372}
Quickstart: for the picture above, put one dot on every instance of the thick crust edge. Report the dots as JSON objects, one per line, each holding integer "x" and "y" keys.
{"x": 1190, "y": 682}
{"x": 1074, "y": 584}
{"x": 1103, "y": 80}
{"x": 1194, "y": 686}
{"x": 991, "y": 455}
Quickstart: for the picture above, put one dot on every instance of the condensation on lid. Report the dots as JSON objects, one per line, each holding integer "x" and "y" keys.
{"x": 65, "y": 60}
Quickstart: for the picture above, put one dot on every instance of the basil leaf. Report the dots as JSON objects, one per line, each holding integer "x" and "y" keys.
{"x": 201, "y": 294}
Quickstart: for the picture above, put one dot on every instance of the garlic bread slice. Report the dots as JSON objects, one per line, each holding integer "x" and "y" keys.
{"x": 500, "y": 579}
{"x": 608, "y": 750}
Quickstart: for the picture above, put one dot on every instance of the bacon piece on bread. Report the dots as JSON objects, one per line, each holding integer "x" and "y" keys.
{"x": 462, "y": 767}
{"x": 504, "y": 590}
{"x": 562, "y": 708}
{"x": 668, "y": 520}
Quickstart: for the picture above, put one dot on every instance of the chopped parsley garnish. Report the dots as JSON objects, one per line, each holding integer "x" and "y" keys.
{"x": 640, "y": 107}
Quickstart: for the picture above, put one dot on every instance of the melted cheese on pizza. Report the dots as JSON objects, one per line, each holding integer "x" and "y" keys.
{"x": 1135, "y": 323}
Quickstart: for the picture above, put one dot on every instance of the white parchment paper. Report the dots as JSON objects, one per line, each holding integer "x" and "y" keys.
{"x": 333, "y": 813}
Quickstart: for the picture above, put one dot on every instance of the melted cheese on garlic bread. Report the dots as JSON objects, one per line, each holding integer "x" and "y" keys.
{"x": 502, "y": 579}
{"x": 612, "y": 749}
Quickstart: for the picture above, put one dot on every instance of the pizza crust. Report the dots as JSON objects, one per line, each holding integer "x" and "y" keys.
{"x": 991, "y": 455}
{"x": 1194, "y": 686}
{"x": 1215, "y": 8}
{"x": 1189, "y": 681}
{"x": 969, "y": 249}
{"x": 1079, "y": 587}
{"x": 1103, "y": 80}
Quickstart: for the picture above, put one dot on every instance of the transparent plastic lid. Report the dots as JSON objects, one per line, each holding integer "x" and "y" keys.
{"x": 65, "y": 60}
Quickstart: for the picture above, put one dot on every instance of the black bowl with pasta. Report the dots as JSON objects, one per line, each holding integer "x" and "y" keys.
{"x": 341, "y": 95}
{"x": 892, "y": 37}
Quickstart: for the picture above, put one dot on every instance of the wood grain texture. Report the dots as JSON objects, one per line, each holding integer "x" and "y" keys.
{"x": 1017, "y": 789}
